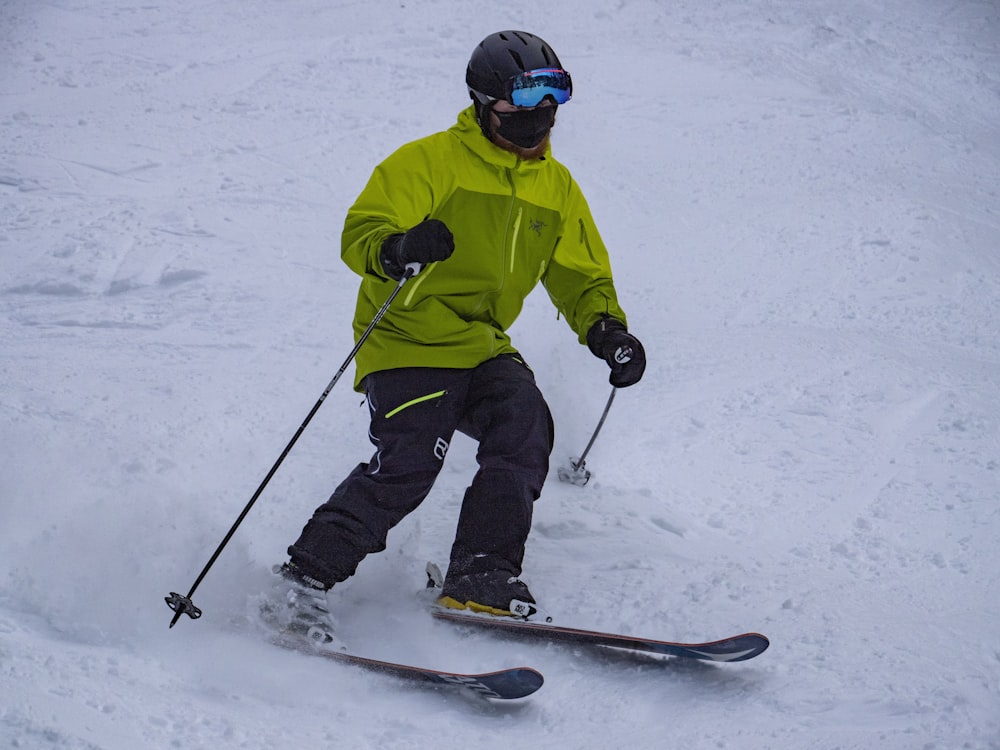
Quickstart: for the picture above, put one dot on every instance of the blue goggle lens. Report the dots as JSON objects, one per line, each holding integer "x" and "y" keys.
{"x": 529, "y": 88}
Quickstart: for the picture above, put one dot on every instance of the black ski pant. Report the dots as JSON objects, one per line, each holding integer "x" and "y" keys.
{"x": 415, "y": 412}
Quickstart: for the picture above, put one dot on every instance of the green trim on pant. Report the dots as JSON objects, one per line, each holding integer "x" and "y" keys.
{"x": 415, "y": 401}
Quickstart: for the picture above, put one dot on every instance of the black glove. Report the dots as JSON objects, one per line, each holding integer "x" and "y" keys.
{"x": 610, "y": 340}
{"x": 427, "y": 242}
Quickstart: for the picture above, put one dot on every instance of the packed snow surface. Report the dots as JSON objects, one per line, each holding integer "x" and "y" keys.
{"x": 801, "y": 202}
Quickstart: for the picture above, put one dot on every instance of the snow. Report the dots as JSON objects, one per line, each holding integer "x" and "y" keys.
{"x": 801, "y": 204}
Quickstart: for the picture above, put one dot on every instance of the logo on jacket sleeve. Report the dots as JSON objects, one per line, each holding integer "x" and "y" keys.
{"x": 440, "y": 448}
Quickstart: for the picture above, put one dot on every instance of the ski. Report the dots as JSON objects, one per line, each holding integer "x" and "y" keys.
{"x": 504, "y": 684}
{"x": 735, "y": 648}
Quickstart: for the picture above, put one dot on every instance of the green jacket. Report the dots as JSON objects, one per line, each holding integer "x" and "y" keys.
{"x": 515, "y": 223}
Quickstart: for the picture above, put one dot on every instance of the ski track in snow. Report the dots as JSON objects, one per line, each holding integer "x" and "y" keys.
{"x": 801, "y": 205}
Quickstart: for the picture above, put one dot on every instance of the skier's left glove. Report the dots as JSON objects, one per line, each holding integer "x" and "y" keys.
{"x": 610, "y": 340}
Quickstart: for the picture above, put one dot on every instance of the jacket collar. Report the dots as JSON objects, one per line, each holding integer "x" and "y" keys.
{"x": 468, "y": 131}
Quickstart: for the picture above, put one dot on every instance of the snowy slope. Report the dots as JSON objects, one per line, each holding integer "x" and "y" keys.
{"x": 801, "y": 203}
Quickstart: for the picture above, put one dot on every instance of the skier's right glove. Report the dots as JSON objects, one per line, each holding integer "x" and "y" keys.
{"x": 428, "y": 242}
{"x": 610, "y": 340}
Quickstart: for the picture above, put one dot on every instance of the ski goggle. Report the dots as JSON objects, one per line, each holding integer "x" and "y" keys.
{"x": 529, "y": 88}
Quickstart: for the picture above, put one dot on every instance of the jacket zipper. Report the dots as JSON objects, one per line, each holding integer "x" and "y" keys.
{"x": 513, "y": 240}
{"x": 517, "y": 219}
{"x": 424, "y": 273}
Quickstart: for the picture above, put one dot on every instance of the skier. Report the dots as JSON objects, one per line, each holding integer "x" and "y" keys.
{"x": 487, "y": 213}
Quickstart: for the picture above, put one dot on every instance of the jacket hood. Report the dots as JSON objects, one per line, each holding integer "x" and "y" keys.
{"x": 468, "y": 131}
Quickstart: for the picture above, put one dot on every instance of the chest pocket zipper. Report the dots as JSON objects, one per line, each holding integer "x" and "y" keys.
{"x": 514, "y": 235}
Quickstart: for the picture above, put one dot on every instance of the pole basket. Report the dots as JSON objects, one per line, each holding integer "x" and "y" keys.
{"x": 181, "y": 605}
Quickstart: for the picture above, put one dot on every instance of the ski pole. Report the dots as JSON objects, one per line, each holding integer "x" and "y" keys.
{"x": 182, "y": 605}
{"x": 577, "y": 472}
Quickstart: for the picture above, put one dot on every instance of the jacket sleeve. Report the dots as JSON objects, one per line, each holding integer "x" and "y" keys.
{"x": 398, "y": 196}
{"x": 578, "y": 279}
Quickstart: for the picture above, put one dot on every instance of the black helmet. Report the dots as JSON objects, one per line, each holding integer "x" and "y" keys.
{"x": 502, "y": 56}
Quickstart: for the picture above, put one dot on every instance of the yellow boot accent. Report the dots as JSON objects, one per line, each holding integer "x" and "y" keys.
{"x": 447, "y": 601}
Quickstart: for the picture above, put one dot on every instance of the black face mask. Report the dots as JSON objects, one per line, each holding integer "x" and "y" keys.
{"x": 526, "y": 128}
